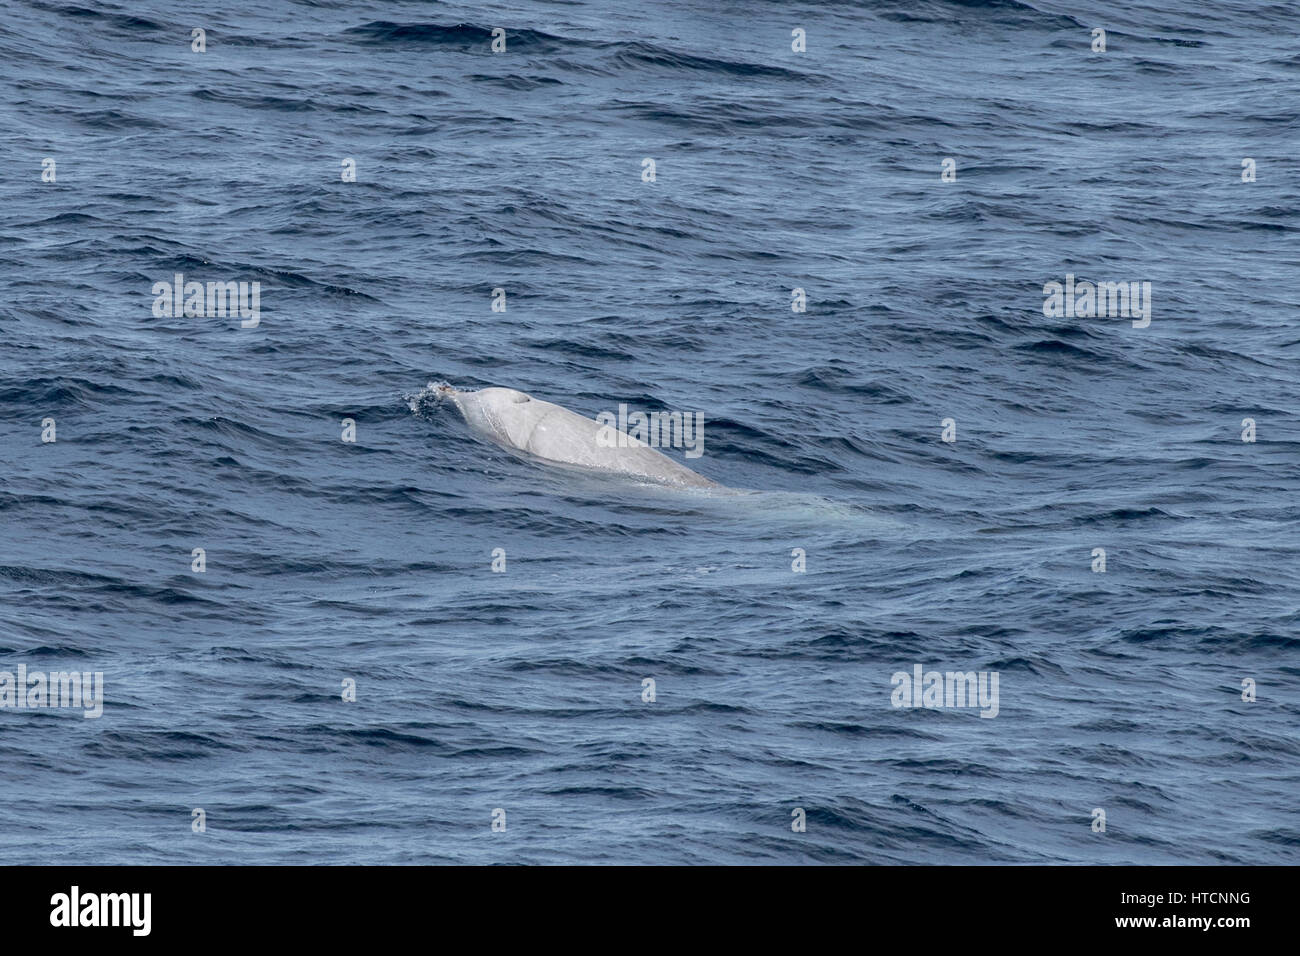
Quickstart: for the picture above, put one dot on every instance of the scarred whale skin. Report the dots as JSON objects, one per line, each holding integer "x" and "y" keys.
{"x": 551, "y": 432}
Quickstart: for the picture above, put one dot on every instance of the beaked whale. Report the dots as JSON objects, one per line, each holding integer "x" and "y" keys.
{"x": 551, "y": 432}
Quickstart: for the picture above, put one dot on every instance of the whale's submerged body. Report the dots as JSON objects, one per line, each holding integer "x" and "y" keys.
{"x": 553, "y": 433}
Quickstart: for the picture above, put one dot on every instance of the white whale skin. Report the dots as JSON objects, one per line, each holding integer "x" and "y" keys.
{"x": 551, "y": 432}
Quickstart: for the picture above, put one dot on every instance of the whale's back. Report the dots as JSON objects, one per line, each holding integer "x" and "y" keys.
{"x": 554, "y": 433}
{"x": 562, "y": 435}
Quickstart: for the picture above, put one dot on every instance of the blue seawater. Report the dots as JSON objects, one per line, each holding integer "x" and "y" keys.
{"x": 328, "y": 561}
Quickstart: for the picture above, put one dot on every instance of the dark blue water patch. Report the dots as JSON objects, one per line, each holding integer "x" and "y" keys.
{"x": 371, "y": 561}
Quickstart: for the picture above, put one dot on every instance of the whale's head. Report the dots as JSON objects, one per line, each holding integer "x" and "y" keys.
{"x": 506, "y": 414}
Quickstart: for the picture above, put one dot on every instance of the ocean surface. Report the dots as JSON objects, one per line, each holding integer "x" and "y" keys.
{"x": 518, "y": 696}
